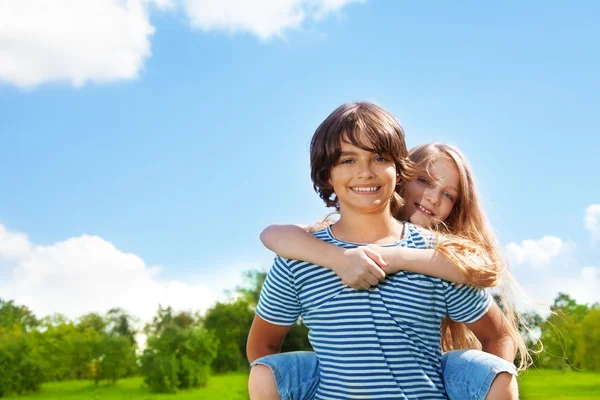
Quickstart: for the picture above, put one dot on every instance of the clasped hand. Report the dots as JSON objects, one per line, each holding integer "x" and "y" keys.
{"x": 365, "y": 267}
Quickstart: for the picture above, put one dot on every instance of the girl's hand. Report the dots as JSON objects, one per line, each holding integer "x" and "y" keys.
{"x": 363, "y": 268}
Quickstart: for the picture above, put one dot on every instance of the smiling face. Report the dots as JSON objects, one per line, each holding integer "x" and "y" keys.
{"x": 430, "y": 198}
{"x": 363, "y": 181}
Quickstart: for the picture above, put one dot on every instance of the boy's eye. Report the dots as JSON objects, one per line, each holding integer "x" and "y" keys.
{"x": 381, "y": 159}
{"x": 423, "y": 180}
{"x": 347, "y": 161}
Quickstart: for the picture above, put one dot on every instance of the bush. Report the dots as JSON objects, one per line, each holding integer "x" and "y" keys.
{"x": 178, "y": 359}
{"x": 20, "y": 370}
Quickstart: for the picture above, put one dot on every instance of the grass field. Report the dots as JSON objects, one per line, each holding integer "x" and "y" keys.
{"x": 222, "y": 387}
{"x": 556, "y": 385}
{"x": 534, "y": 384}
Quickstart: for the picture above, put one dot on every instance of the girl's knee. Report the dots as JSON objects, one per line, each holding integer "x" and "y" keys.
{"x": 261, "y": 383}
{"x": 504, "y": 387}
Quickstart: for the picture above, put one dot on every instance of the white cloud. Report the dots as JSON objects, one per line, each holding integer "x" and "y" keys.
{"x": 537, "y": 253}
{"x": 583, "y": 287}
{"x": 73, "y": 40}
{"x": 88, "y": 274}
{"x": 592, "y": 221}
{"x": 13, "y": 245}
{"x": 262, "y": 18}
{"x": 79, "y": 41}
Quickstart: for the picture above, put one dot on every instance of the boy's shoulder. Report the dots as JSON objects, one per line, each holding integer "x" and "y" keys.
{"x": 420, "y": 237}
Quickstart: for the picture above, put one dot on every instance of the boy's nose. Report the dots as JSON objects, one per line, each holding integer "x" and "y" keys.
{"x": 366, "y": 171}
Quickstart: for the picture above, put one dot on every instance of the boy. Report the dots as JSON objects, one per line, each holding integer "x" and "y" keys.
{"x": 378, "y": 343}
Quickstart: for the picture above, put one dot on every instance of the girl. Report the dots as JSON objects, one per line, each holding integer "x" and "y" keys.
{"x": 441, "y": 197}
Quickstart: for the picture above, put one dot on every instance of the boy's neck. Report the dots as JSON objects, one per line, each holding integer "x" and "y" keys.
{"x": 377, "y": 228}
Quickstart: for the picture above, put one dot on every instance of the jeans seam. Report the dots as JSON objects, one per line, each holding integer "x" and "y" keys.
{"x": 487, "y": 382}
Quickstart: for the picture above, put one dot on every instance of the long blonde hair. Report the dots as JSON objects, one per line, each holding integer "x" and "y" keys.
{"x": 467, "y": 239}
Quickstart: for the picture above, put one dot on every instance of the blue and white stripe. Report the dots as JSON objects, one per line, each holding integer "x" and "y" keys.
{"x": 381, "y": 343}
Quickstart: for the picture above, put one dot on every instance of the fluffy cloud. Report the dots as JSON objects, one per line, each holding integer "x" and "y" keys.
{"x": 592, "y": 221}
{"x": 263, "y": 18}
{"x": 73, "y": 40}
{"x": 583, "y": 286}
{"x": 537, "y": 253}
{"x": 87, "y": 273}
{"x": 109, "y": 40}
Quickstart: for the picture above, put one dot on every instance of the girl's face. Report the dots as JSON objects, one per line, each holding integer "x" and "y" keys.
{"x": 430, "y": 198}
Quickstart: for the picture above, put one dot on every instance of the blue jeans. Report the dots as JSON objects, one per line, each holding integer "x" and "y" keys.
{"x": 467, "y": 374}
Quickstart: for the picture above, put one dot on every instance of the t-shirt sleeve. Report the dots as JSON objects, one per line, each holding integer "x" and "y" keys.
{"x": 278, "y": 302}
{"x": 424, "y": 237}
{"x": 466, "y": 303}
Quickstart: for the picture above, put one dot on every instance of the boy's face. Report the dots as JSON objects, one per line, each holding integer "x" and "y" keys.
{"x": 363, "y": 181}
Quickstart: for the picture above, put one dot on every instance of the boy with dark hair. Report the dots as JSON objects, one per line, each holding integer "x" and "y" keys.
{"x": 379, "y": 343}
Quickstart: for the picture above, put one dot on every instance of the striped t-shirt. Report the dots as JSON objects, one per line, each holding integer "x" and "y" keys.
{"x": 380, "y": 343}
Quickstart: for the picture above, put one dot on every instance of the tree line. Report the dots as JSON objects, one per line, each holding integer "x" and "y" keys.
{"x": 183, "y": 348}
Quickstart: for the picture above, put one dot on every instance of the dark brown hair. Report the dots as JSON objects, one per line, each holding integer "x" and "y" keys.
{"x": 367, "y": 126}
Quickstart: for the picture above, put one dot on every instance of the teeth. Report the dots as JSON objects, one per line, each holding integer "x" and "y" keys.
{"x": 424, "y": 210}
{"x": 365, "y": 189}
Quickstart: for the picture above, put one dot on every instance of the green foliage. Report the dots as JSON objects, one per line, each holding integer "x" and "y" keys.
{"x": 96, "y": 347}
{"x": 20, "y": 369}
{"x": 251, "y": 292}
{"x": 297, "y": 339}
{"x": 13, "y": 315}
{"x": 587, "y": 351}
{"x": 230, "y": 322}
{"x": 121, "y": 324}
{"x": 178, "y": 354}
{"x": 571, "y": 336}
{"x": 117, "y": 359}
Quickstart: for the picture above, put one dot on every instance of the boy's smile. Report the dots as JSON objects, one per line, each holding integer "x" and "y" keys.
{"x": 365, "y": 189}
{"x": 363, "y": 180}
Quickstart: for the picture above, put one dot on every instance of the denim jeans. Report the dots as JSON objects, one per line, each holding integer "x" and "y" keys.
{"x": 467, "y": 374}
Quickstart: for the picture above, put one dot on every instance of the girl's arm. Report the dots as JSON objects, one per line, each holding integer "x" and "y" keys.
{"x": 357, "y": 269}
{"x": 423, "y": 261}
{"x": 361, "y": 267}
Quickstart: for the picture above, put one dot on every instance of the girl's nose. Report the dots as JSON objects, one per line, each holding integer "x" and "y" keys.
{"x": 432, "y": 196}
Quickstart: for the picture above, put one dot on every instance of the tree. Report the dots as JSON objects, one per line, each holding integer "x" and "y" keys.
{"x": 570, "y": 336}
{"x": 179, "y": 352}
{"x": 12, "y": 314}
{"x": 254, "y": 282}
{"x": 20, "y": 369}
{"x": 117, "y": 359}
{"x": 120, "y": 323}
{"x": 230, "y": 322}
{"x": 587, "y": 352}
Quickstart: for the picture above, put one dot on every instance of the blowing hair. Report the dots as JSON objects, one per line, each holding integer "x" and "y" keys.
{"x": 367, "y": 126}
{"x": 467, "y": 239}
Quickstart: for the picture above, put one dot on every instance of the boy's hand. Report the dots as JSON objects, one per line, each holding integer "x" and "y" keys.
{"x": 363, "y": 268}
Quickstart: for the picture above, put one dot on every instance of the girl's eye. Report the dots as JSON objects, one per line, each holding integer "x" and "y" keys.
{"x": 423, "y": 181}
{"x": 449, "y": 196}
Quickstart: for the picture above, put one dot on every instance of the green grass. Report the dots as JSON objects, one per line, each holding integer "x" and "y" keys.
{"x": 223, "y": 387}
{"x": 534, "y": 385}
{"x": 556, "y": 385}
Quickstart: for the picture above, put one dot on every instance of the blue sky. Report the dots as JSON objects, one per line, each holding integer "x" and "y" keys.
{"x": 146, "y": 143}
